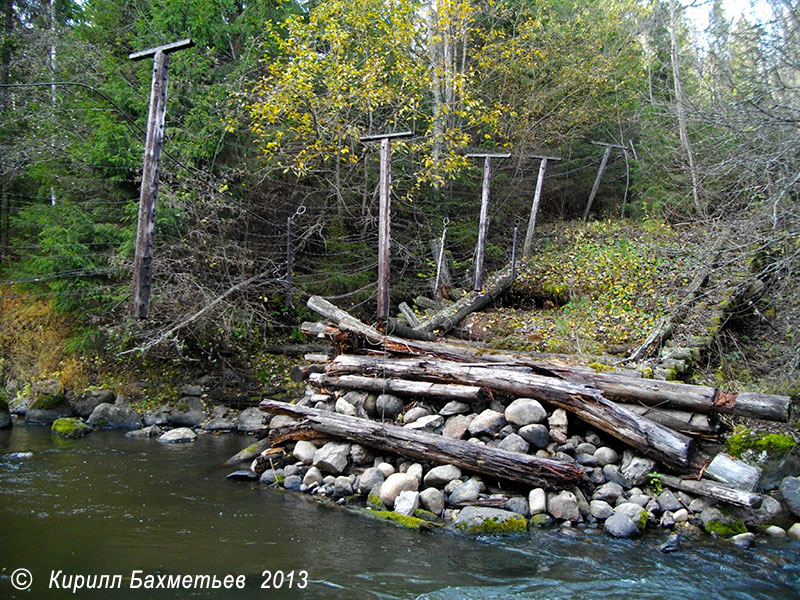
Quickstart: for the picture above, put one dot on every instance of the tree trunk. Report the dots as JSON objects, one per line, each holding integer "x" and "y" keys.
{"x": 586, "y": 403}
{"x": 709, "y": 489}
{"x": 679, "y": 420}
{"x": 384, "y": 437}
{"x": 444, "y": 391}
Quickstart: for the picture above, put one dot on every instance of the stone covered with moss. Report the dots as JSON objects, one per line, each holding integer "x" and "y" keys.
{"x": 70, "y": 428}
{"x": 481, "y": 520}
{"x": 47, "y": 408}
{"x": 5, "y": 414}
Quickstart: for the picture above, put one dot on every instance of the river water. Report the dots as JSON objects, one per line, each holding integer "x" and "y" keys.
{"x": 110, "y": 505}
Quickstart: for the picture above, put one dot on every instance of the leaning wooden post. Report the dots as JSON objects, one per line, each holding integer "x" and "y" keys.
{"x": 537, "y": 196}
{"x": 148, "y": 196}
{"x": 384, "y": 217}
{"x": 484, "y": 218}
{"x": 597, "y": 179}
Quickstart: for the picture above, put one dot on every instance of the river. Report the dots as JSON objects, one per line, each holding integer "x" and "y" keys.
{"x": 107, "y": 504}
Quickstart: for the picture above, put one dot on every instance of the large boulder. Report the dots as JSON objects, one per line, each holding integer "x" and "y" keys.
{"x": 180, "y": 435}
{"x": 114, "y": 416}
{"x": 85, "y": 403}
{"x": 251, "y": 420}
{"x": 188, "y": 412}
{"x": 525, "y": 411}
{"x": 481, "y": 520}
{"x": 635, "y": 469}
{"x": 564, "y": 505}
{"x": 47, "y": 408}
{"x": 70, "y": 428}
{"x": 790, "y": 492}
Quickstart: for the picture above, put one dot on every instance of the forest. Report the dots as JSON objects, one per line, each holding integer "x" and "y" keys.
{"x": 263, "y": 124}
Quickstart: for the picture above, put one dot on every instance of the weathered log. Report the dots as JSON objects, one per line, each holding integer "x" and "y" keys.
{"x": 452, "y": 315}
{"x": 300, "y": 373}
{"x": 445, "y": 391}
{"x": 733, "y": 472}
{"x": 513, "y": 466}
{"x": 429, "y": 304}
{"x": 586, "y": 403}
{"x": 395, "y": 327}
{"x": 679, "y": 420}
{"x": 294, "y": 348}
{"x": 410, "y": 316}
{"x": 710, "y": 489}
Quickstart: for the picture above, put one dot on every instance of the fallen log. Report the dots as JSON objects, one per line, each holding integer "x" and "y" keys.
{"x": 445, "y": 391}
{"x": 709, "y": 489}
{"x": 588, "y": 404}
{"x": 452, "y": 315}
{"x": 513, "y": 466}
{"x": 679, "y": 420}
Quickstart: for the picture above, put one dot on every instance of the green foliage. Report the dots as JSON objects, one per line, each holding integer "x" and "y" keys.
{"x": 654, "y": 479}
{"x": 743, "y": 443}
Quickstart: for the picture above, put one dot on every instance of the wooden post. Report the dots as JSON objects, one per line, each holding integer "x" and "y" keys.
{"x": 143, "y": 258}
{"x": 514, "y": 253}
{"x": 484, "y": 218}
{"x": 602, "y": 168}
{"x": 384, "y": 217}
{"x": 537, "y": 196}
{"x": 288, "y": 262}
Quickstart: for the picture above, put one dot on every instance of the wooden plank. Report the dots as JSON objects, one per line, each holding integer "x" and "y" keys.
{"x": 483, "y": 226}
{"x": 710, "y": 489}
{"x": 166, "y": 49}
{"x": 526, "y": 249}
{"x": 384, "y": 228}
{"x": 404, "y": 387}
{"x": 596, "y": 185}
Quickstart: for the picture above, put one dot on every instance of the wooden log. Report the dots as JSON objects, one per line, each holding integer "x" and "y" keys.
{"x": 710, "y": 489}
{"x": 300, "y": 373}
{"x": 452, "y": 315}
{"x": 513, "y": 466}
{"x": 409, "y": 314}
{"x": 679, "y": 420}
{"x": 294, "y": 348}
{"x": 588, "y": 404}
{"x": 733, "y": 472}
{"x": 444, "y": 391}
{"x": 429, "y": 304}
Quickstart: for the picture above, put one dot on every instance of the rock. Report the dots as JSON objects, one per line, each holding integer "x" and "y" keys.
{"x": 5, "y": 414}
{"x": 583, "y": 504}
{"x": 774, "y": 531}
{"x": 606, "y": 456}
{"x": 248, "y": 452}
{"x": 342, "y": 487}
{"x": 468, "y": 491}
{"x": 769, "y": 510}
{"x": 636, "y": 468}
{"x": 219, "y": 412}
{"x": 637, "y": 514}
{"x": 668, "y": 501}
{"x": 428, "y": 423}
{"x": 343, "y": 407}
{"x": 332, "y": 457}
{"x": 251, "y": 420}
{"x": 611, "y": 473}
{"x": 733, "y": 472}
{"x": 489, "y": 422}
{"x": 673, "y": 544}
{"x": 698, "y": 505}
{"x": 640, "y": 499}
{"x": 415, "y": 413}
{"x": 355, "y": 397}
{"x": 19, "y": 406}
{"x": 178, "y": 436}
{"x": 387, "y": 407}
{"x": 111, "y": 416}
{"x": 514, "y": 443}
{"x": 360, "y": 455}
{"x": 159, "y": 416}
{"x": 718, "y": 523}
{"x": 279, "y": 421}
{"x": 369, "y": 479}
{"x": 385, "y": 468}
{"x": 151, "y": 431}
{"x": 270, "y": 476}
{"x": 609, "y": 492}
{"x": 681, "y": 515}
{"x": 794, "y": 532}
{"x": 479, "y": 520}
{"x": 293, "y": 483}
{"x": 541, "y": 521}
{"x": 83, "y": 404}
{"x": 70, "y": 428}
{"x": 743, "y": 540}
{"x": 406, "y": 502}
{"x": 442, "y": 475}
{"x": 620, "y": 525}
{"x": 415, "y": 470}
{"x": 557, "y": 436}
{"x": 558, "y": 421}
{"x": 456, "y": 426}
{"x": 242, "y": 475}
{"x": 396, "y": 483}
{"x": 586, "y": 448}
{"x": 432, "y": 500}
{"x": 789, "y": 491}
{"x": 454, "y": 407}
{"x": 587, "y": 460}
{"x": 525, "y": 411}
{"x": 191, "y": 390}
{"x": 188, "y": 412}
{"x": 537, "y": 501}
{"x": 600, "y": 509}
{"x": 304, "y": 452}
{"x": 536, "y": 435}
{"x": 667, "y": 520}
{"x": 778, "y": 466}
{"x": 47, "y": 408}
{"x": 564, "y": 506}
{"x": 312, "y": 476}
{"x": 519, "y": 505}
{"x": 219, "y": 424}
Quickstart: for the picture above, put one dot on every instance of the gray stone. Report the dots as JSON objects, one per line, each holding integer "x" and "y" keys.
{"x": 291, "y": 470}
{"x": 342, "y": 487}
{"x": 343, "y": 407}
{"x": 564, "y": 506}
{"x": 593, "y": 438}
{"x": 489, "y": 422}
{"x": 191, "y": 390}
{"x": 293, "y": 483}
{"x": 621, "y": 525}
{"x": 587, "y": 460}
{"x": 178, "y": 436}
{"x": 111, "y": 416}
{"x": 151, "y": 431}
{"x": 415, "y": 413}
{"x": 558, "y": 421}
{"x": 525, "y": 411}
{"x": 85, "y": 403}
{"x": 600, "y": 509}
{"x": 713, "y": 518}
{"x": 537, "y": 501}
{"x": 387, "y": 406}
{"x": 70, "y": 428}
{"x": 636, "y": 468}
{"x": 360, "y": 455}
{"x": 219, "y": 424}
{"x": 442, "y": 475}
{"x": 586, "y": 448}
{"x": 667, "y": 500}
{"x": 369, "y": 479}
{"x": 406, "y": 502}
{"x": 514, "y": 443}
{"x": 519, "y": 505}
{"x": 312, "y": 476}
{"x": 634, "y": 512}
{"x": 640, "y": 499}
{"x": 698, "y": 505}
{"x": 159, "y": 416}
{"x": 396, "y": 483}
{"x": 355, "y": 397}
{"x": 743, "y": 540}
{"x": 774, "y": 531}
{"x": 188, "y": 412}
{"x": 681, "y": 516}
{"x": 557, "y": 435}
{"x": 767, "y": 512}
{"x": 454, "y": 407}
{"x": 583, "y": 504}
{"x": 385, "y": 468}
{"x": 415, "y": 470}
{"x": 370, "y": 405}
{"x": 468, "y": 491}
{"x": 606, "y": 456}
{"x": 270, "y": 476}
{"x": 332, "y": 457}
{"x": 667, "y": 520}
{"x": 652, "y": 507}
{"x": 5, "y": 415}
{"x": 251, "y": 420}
{"x": 47, "y": 409}
{"x": 450, "y": 487}
{"x": 304, "y": 451}
{"x": 536, "y": 435}
{"x": 432, "y": 500}
{"x": 481, "y": 520}
{"x": 428, "y": 423}
{"x": 219, "y": 412}
{"x": 456, "y": 426}
{"x": 790, "y": 492}
{"x": 609, "y": 492}
{"x": 279, "y": 421}
{"x": 673, "y": 544}
{"x": 242, "y": 475}
{"x": 794, "y": 532}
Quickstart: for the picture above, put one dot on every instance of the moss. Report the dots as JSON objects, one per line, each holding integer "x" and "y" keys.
{"x": 741, "y": 440}
{"x": 182, "y": 406}
{"x": 402, "y": 520}
{"x": 600, "y": 367}
{"x": 374, "y": 501}
{"x": 3, "y": 401}
{"x": 647, "y": 372}
{"x": 727, "y": 528}
{"x": 69, "y": 427}
{"x": 540, "y": 521}
{"x": 494, "y": 527}
{"x": 641, "y": 523}
{"x": 48, "y": 401}
{"x": 776, "y": 443}
{"x": 426, "y": 515}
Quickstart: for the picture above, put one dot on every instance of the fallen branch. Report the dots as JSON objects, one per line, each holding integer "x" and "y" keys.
{"x": 710, "y": 489}
{"x": 462, "y": 393}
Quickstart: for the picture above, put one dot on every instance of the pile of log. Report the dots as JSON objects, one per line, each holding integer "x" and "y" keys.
{"x": 659, "y": 419}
